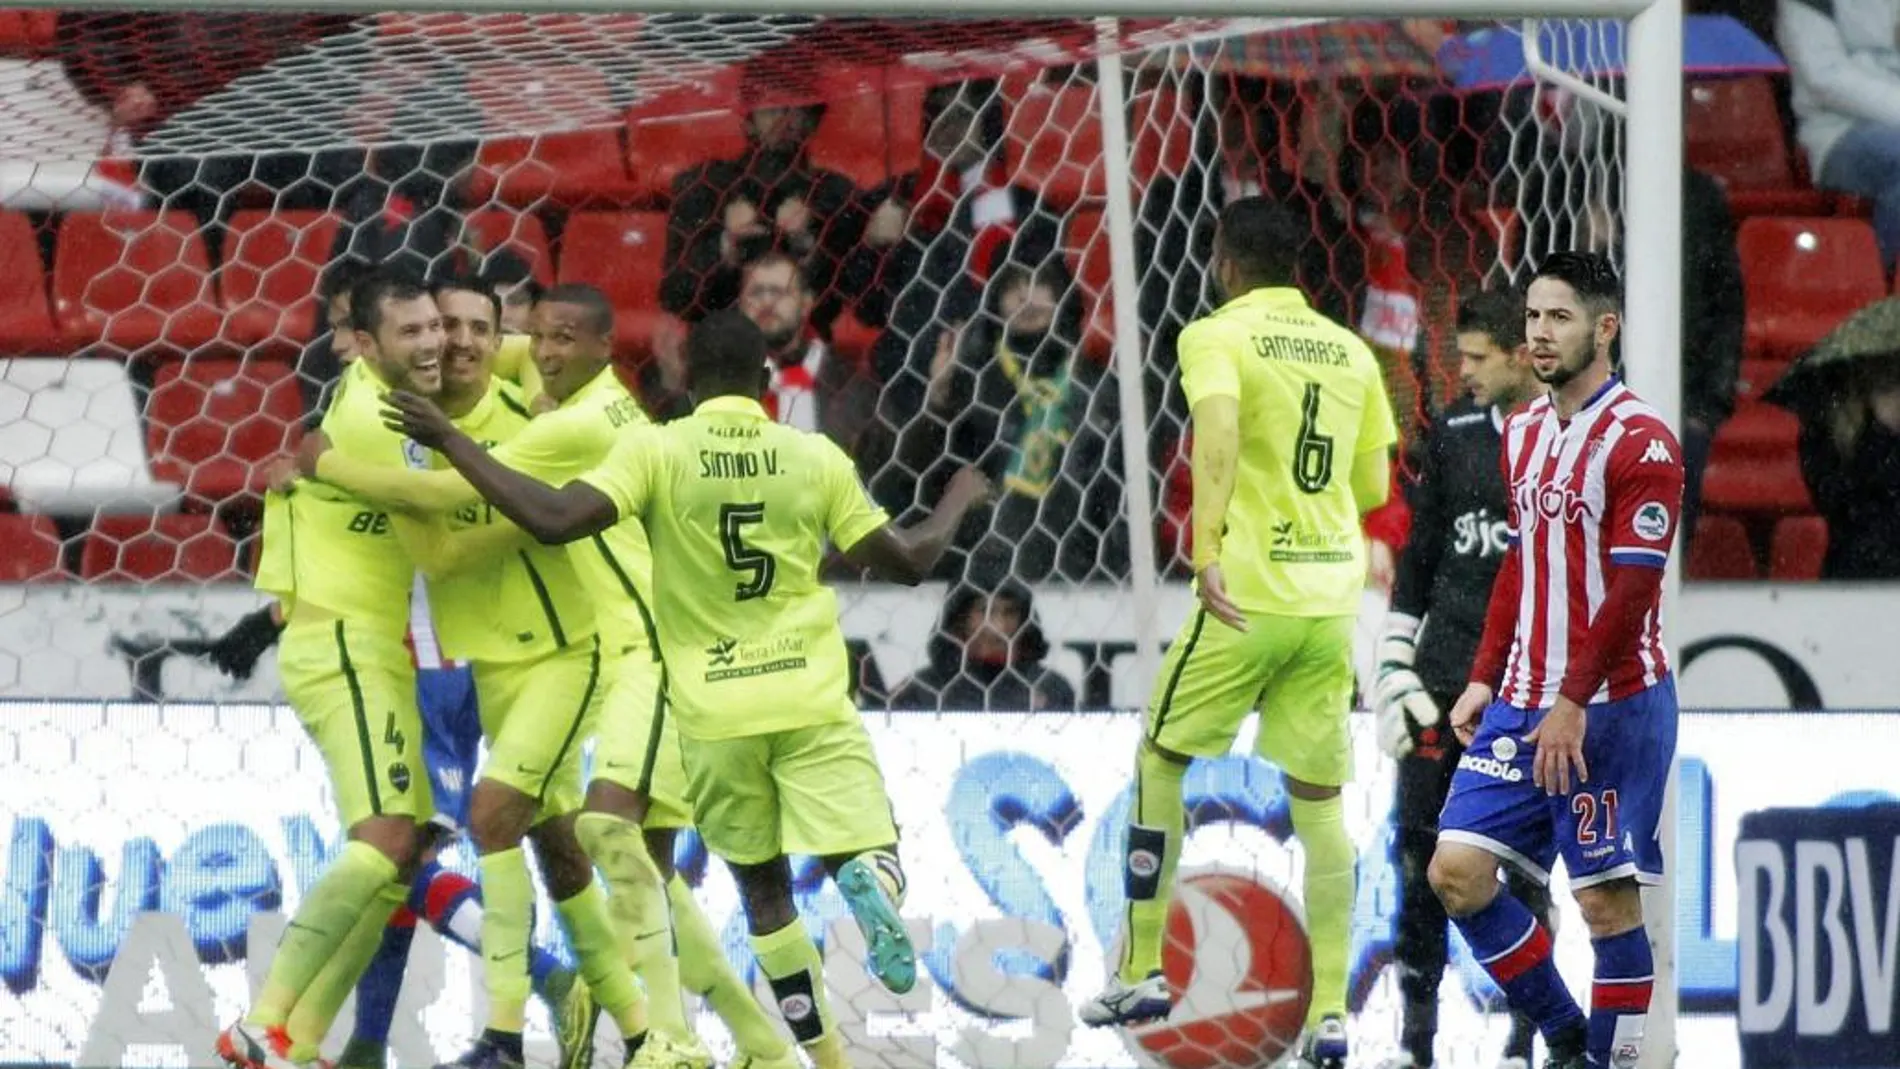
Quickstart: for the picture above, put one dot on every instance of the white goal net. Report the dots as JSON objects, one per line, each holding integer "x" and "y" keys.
{"x": 918, "y": 212}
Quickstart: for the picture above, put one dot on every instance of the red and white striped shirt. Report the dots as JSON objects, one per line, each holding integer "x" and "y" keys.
{"x": 1601, "y": 488}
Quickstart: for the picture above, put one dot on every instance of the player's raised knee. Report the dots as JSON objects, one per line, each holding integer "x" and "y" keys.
{"x": 398, "y": 838}
{"x": 1465, "y": 878}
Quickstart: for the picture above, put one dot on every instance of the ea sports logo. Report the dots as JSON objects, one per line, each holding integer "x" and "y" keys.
{"x": 796, "y": 1007}
{"x": 1239, "y": 962}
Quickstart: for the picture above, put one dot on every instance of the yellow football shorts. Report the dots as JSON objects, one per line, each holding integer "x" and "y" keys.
{"x": 635, "y": 742}
{"x": 355, "y": 692}
{"x": 535, "y": 716}
{"x": 813, "y": 790}
{"x": 1295, "y": 670}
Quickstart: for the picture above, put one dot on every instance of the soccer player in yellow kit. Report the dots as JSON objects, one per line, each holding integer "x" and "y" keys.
{"x": 639, "y": 789}
{"x": 738, "y": 510}
{"x": 1292, "y": 431}
{"x": 523, "y": 622}
{"x": 343, "y": 582}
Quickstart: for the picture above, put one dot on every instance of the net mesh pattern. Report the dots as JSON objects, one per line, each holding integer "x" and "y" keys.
{"x": 916, "y": 212}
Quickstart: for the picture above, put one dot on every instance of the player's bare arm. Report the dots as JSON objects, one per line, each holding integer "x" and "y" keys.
{"x": 906, "y": 555}
{"x": 1215, "y": 464}
{"x": 551, "y": 515}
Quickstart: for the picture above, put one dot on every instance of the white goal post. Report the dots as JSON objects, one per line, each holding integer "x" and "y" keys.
{"x": 1653, "y": 162}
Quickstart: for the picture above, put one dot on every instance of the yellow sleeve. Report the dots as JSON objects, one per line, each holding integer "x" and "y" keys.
{"x": 397, "y": 489}
{"x": 440, "y": 552}
{"x": 1377, "y": 428}
{"x": 1209, "y": 355}
{"x": 626, "y": 475}
{"x": 514, "y": 362}
{"x": 850, "y": 514}
{"x": 354, "y": 424}
{"x": 553, "y": 447}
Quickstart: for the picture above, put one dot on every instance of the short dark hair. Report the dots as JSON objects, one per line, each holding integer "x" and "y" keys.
{"x": 341, "y": 277}
{"x": 726, "y": 354}
{"x": 775, "y": 254}
{"x": 468, "y": 284}
{"x": 1496, "y": 314}
{"x": 1591, "y": 275}
{"x": 1263, "y": 240}
{"x": 591, "y": 299}
{"x": 377, "y": 286}
{"x": 506, "y": 267}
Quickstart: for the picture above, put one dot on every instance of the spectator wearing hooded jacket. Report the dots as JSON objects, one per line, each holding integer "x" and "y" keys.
{"x": 987, "y": 655}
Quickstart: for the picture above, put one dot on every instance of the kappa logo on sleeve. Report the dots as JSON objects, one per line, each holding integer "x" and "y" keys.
{"x": 1657, "y": 453}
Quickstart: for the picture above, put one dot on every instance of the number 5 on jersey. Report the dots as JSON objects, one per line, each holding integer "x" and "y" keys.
{"x": 760, "y": 566}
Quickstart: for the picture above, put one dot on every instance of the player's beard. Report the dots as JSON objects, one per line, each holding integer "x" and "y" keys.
{"x": 1569, "y": 366}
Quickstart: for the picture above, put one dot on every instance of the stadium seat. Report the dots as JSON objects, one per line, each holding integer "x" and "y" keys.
{"x": 178, "y": 547}
{"x": 271, "y": 265}
{"x": 70, "y": 438}
{"x": 1756, "y": 378}
{"x": 209, "y": 423}
{"x": 132, "y": 280}
{"x": 27, "y": 33}
{"x": 1721, "y": 551}
{"x": 1734, "y": 135}
{"x": 623, "y": 253}
{"x": 862, "y": 135}
{"x": 29, "y": 549}
{"x": 1085, "y": 245}
{"x": 1797, "y": 549}
{"x": 495, "y": 228}
{"x": 1755, "y": 486}
{"x": 1802, "y": 277}
{"x": 26, "y": 321}
{"x": 1756, "y": 431}
{"x": 577, "y": 168}
{"x": 1054, "y": 141}
{"x": 674, "y": 131}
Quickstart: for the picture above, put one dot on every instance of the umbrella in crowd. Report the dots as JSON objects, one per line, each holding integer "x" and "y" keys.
{"x": 1821, "y": 375}
{"x": 1312, "y": 52}
{"x": 1493, "y": 57}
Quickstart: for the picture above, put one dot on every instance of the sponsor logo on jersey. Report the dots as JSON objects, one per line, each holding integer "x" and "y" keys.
{"x": 1657, "y": 453}
{"x": 1651, "y": 522}
{"x": 796, "y": 1007}
{"x": 1143, "y": 863}
{"x": 1505, "y": 748}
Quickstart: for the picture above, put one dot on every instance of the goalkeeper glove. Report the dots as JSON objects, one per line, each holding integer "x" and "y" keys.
{"x": 235, "y": 653}
{"x": 1407, "y": 715}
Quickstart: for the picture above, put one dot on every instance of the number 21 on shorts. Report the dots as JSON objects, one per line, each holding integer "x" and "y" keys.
{"x": 1592, "y": 808}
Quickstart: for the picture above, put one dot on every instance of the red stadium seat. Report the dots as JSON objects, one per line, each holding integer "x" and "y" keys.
{"x": 497, "y": 228}
{"x": 26, "y": 321}
{"x": 132, "y": 279}
{"x": 1721, "y": 550}
{"x": 1756, "y": 378}
{"x": 272, "y": 262}
{"x": 178, "y": 547}
{"x": 676, "y": 130}
{"x": 1802, "y": 277}
{"x": 1734, "y": 134}
{"x": 1054, "y": 141}
{"x": 1085, "y": 245}
{"x": 1756, "y": 432}
{"x": 623, "y": 253}
{"x": 578, "y": 168}
{"x": 25, "y": 33}
{"x": 1798, "y": 548}
{"x": 1755, "y": 487}
{"x": 29, "y": 549}
{"x": 863, "y": 133}
{"x": 209, "y": 423}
